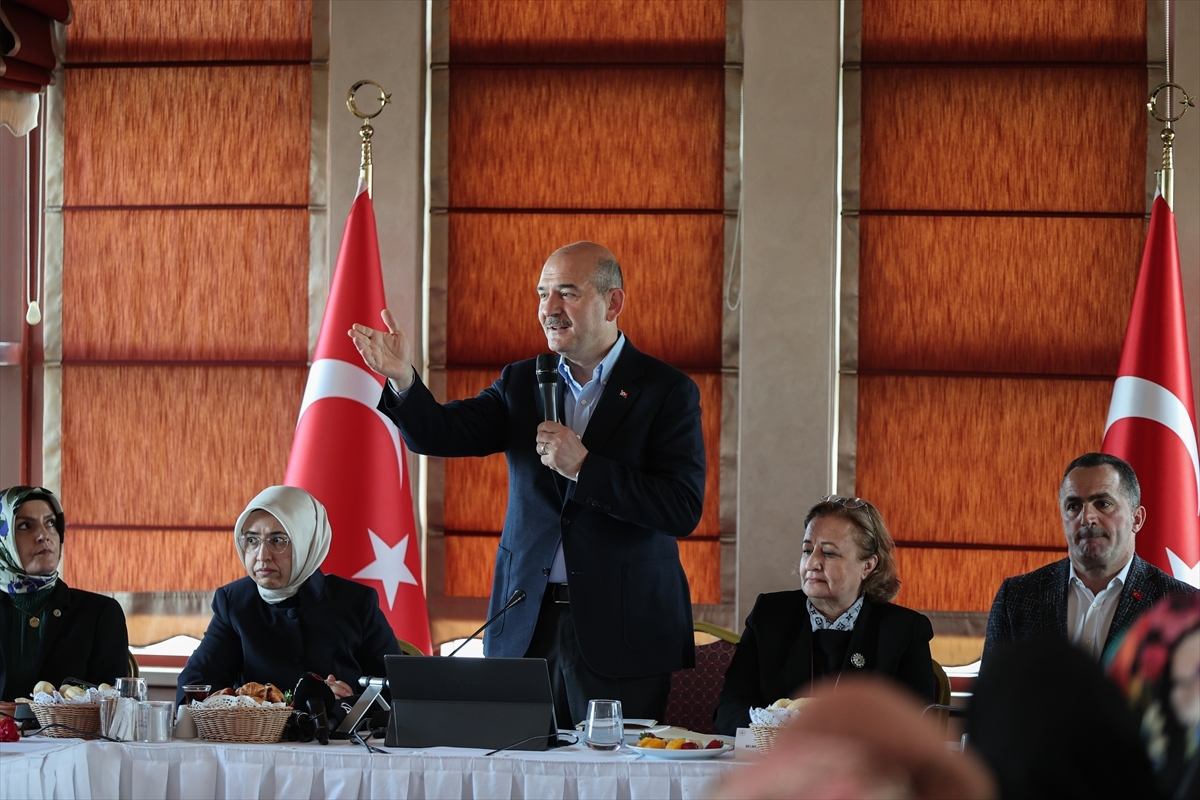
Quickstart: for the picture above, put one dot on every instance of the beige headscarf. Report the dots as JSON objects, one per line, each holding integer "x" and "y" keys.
{"x": 304, "y": 520}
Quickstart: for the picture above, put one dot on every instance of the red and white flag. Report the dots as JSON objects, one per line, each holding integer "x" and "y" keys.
{"x": 348, "y": 455}
{"x": 1152, "y": 418}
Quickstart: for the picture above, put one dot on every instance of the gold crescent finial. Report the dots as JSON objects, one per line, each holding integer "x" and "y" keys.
{"x": 384, "y": 99}
{"x": 1166, "y": 175}
{"x": 1187, "y": 102}
{"x": 366, "y": 131}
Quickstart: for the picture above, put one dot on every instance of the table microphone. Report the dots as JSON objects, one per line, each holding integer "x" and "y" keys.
{"x": 546, "y": 368}
{"x": 517, "y": 597}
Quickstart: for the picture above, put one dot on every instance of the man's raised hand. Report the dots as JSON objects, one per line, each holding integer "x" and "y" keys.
{"x": 388, "y": 353}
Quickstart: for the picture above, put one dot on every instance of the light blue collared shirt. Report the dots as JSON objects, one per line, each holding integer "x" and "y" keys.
{"x": 579, "y": 403}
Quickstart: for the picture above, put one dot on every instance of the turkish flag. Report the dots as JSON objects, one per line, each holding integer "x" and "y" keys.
{"x": 348, "y": 455}
{"x": 1152, "y": 418}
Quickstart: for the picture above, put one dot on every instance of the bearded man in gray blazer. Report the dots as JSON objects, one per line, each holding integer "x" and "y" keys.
{"x": 1091, "y": 597}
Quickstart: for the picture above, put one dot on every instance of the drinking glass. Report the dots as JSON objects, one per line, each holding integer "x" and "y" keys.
{"x": 132, "y": 687}
{"x": 197, "y": 692}
{"x": 155, "y": 721}
{"x": 605, "y": 729}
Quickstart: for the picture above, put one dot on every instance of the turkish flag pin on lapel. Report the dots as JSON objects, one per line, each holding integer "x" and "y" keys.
{"x": 624, "y": 394}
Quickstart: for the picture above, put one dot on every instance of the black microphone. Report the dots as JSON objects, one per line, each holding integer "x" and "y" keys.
{"x": 546, "y": 368}
{"x": 517, "y": 597}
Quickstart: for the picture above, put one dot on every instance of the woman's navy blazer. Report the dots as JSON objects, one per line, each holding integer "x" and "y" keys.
{"x": 330, "y": 626}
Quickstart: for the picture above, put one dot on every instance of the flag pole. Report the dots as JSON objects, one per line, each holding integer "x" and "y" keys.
{"x": 366, "y": 131}
{"x": 1166, "y": 175}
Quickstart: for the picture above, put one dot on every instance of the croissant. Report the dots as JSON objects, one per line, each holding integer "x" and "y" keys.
{"x": 253, "y": 689}
{"x": 274, "y": 695}
{"x": 226, "y": 692}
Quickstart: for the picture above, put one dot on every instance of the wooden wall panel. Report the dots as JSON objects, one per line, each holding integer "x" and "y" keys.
{"x": 600, "y": 138}
{"x": 673, "y": 266}
{"x": 701, "y": 559}
{"x": 950, "y": 579}
{"x": 1013, "y": 30}
{"x": 994, "y": 139}
{"x": 587, "y": 31}
{"x": 973, "y": 460}
{"x": 186, "y": 284}
{"x": 196, "y": 30}
{"x": 470, "y": 565}
{"x": 187, "y": 136}
{"x": 996, "y": 294}
{"x": 174, "y": 446}
{"x": 150, "y": 560}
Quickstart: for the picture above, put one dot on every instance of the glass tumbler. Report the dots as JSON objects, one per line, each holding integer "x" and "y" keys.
{"x": 605, "y": 730}
{"x": 156, "y": 721}
{"x": 132, "y": 687}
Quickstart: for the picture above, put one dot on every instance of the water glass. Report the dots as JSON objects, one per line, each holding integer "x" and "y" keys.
{"x": 132, "y": 687}
{"x": 118, "y": 718}
{"x": 156, "y": 721}
{"x": 605, "y": 730}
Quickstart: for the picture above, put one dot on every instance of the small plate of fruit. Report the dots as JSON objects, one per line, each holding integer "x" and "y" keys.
{"x": 681, "y": 748}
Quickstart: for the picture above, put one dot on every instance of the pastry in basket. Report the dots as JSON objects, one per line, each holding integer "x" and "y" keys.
{"x": 226, "y": 692}
{"x": 252, "y": 689}
{"x": 287, "y": 618}
{"x": 63, "y": 631}
{"x": 840, "y": 623}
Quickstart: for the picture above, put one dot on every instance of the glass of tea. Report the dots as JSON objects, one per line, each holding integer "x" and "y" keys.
{"x": 197, "y": 692}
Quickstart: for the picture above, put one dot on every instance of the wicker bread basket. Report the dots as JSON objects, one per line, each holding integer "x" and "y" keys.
{"x": 81, "y": 716}
{"x": 242, "y": 724}
{"x": 764, "y": 736}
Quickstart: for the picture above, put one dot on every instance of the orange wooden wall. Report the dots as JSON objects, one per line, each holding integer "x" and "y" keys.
{"x": 1001, "y": 223}
{"x": 185, "y": 279}
{"x": 569, "y": 120}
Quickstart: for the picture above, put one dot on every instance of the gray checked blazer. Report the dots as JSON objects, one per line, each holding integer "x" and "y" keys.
{"x": 1035, "y": 604}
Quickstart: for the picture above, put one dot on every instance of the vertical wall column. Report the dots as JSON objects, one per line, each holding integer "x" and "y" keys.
{"x": 787, "y": 417}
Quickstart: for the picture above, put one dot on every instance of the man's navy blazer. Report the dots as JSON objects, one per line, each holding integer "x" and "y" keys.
{"x": 330, "y": 626}
{"x": 1035, "y": 604}
{"x": 641, "y": 486}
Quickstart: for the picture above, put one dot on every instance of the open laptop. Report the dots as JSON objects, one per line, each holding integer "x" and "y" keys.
{"x": 486, "y": 703}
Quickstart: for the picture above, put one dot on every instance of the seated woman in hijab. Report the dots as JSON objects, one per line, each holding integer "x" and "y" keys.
{"x": 287, "y": 618}
{"x": 49, "y": 631}
{"x": 840, "y": 622}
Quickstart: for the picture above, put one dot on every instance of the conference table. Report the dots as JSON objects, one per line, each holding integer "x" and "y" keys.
{"x": 194, "y": 770}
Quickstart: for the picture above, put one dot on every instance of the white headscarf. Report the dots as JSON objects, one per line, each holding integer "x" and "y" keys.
{"x": 304, "y": 520}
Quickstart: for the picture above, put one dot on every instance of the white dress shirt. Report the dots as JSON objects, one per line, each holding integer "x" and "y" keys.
{"x": 1089, "y": 616}
{"x": 578, "y": 404}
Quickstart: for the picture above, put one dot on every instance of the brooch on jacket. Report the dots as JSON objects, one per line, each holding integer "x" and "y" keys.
{"x": 858, "y": 661}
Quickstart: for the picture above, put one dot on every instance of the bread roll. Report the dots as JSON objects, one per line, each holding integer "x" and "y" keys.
{"x": 274, "y": 695}
{"x": 43, "y": 686}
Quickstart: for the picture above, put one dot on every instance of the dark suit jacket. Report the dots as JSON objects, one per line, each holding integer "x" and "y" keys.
{"x": 83, "y": 636}
{"x": 1035, "y": 604}
{"x": 641, "y": 486}
{"x": 774, "y": 658}
{"x": 332, "y": 625}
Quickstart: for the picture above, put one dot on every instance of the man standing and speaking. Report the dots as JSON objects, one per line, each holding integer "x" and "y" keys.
{"x": 594, "y": 505}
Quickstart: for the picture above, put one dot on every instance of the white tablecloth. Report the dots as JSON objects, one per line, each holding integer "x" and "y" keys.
{"x": 199, "y": 771}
